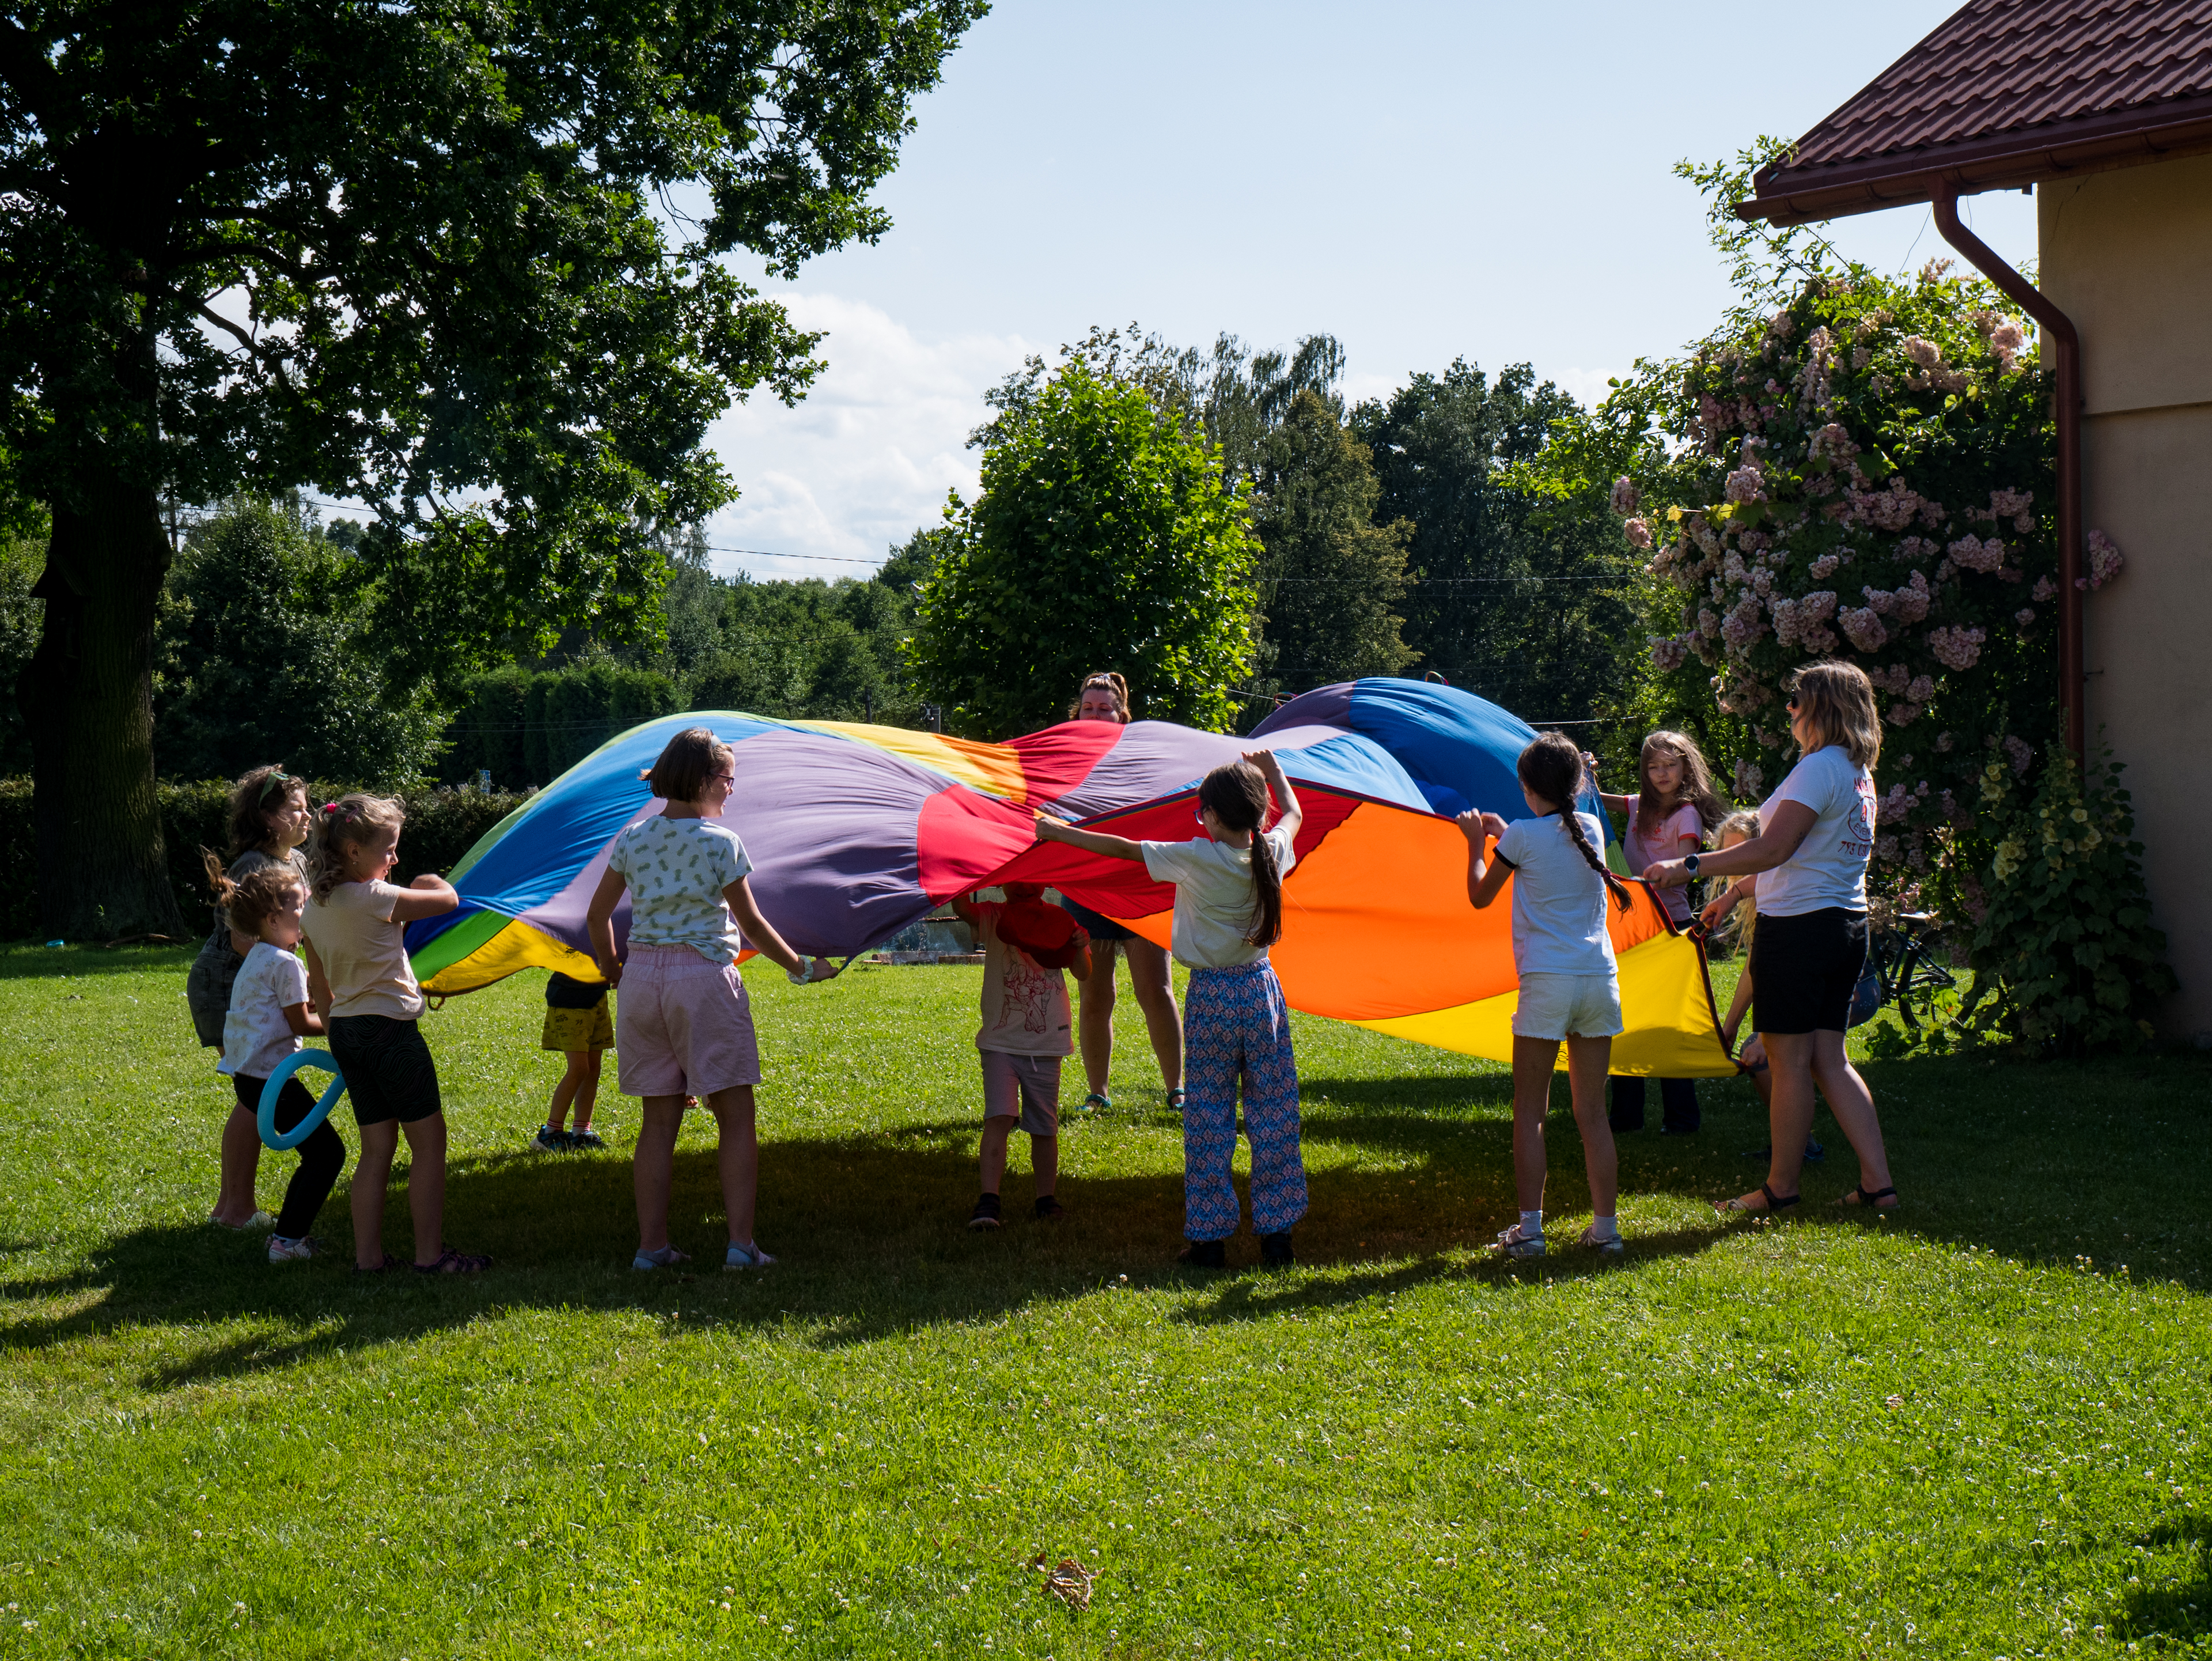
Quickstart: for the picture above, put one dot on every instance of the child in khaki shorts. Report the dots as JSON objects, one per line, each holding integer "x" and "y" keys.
{"x": 1024, "y": 1035}
{"x": 578, "y": 1025}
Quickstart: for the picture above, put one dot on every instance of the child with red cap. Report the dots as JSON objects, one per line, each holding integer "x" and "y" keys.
{"x": 1026, "y": 1032}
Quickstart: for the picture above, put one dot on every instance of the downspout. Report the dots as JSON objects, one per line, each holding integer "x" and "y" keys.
{"x": 2059, "y": 330}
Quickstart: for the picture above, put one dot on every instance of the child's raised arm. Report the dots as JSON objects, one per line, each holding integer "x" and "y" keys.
{"x": 1484, "y": 876}
{"x": 1286, "y": 798}
{"x": 1049, "y": 829}
{"x": 429, "y": 895}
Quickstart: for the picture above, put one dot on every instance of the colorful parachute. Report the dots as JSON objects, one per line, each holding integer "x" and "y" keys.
{"x": 857, "y": 831}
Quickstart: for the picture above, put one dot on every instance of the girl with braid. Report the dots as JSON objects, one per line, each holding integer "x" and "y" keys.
{"x": 1228, "y": 911}
{"x": 1570, "y": 984}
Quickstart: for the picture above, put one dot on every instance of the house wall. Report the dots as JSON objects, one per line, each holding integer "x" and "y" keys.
{"x": 2128, "y": 256}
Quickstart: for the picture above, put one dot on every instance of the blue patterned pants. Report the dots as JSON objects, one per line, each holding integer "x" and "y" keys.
{"x": 1236, "y": 1027}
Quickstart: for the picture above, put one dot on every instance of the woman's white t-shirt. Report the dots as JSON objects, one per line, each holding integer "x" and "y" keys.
{"x": 1830, "y": 865}
{"x": 1214, "y": 903}
{"x": 256, "y": 1036}
{"x": 677, "y": 870}
{"x": 1559, "y": 902}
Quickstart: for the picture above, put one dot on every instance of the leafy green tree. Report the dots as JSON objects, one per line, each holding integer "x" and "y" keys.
{"x": 1330, "y": 575}
{"x": 258, "y": 662}
{"x": 406, "y": 254}
{"x": 1510, "y": 600}
{"x": 21, "y": 614}
{"x": 1104, "y": 537}
{"x": 812, "y": 651}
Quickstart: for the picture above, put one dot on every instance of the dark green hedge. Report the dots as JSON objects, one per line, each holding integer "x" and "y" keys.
{"x": 527, "y": 727}
{"x": 442, "y": 824}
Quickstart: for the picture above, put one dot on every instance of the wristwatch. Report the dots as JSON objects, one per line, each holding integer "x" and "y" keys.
{"x": 1690, "y": 864}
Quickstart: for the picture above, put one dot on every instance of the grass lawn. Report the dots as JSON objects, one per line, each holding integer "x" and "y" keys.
{"x": 1976, "y": 1429}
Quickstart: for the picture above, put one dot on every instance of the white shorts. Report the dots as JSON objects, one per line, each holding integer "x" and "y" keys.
{"x": 1568, "y": 1007}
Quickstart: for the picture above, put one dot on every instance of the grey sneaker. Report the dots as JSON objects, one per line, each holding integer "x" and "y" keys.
{"x": 259, "y": 1219}
{"x": 585, "y": 1141}
{"x": 746, "y": 1256}
{"x": 1610, "y": 1245}
{"x": 282, "y": 1250}
{"x": 1512, "y": 1243}
{"x": 667, "y": 1258}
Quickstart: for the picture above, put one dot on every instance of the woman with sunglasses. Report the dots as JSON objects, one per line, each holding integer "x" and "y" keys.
{"x": 1105, "y": 696}
{"x": 268, "y": 821}
{"x": 1806, "y": 960}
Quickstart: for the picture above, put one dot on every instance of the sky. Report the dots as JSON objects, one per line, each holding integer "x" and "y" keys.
{"x": 1423, "y": 181}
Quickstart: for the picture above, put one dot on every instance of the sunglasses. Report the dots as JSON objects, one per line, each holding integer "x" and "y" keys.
{"x": 276, "y": 780}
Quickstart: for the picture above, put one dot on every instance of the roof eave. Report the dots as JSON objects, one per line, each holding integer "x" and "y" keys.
{"x": 1789, "y": 196}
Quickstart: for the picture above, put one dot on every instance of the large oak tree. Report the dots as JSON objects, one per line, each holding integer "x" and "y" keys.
{"x": 456, "y": 259}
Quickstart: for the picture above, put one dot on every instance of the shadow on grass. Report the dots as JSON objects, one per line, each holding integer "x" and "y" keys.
{"x": 871, "y": 1230}
{"x": 21, "y": 960}
{"x": 2177, "y": 1612}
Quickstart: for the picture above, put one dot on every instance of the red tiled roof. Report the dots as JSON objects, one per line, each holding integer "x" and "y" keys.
{"x": 2007, "y": 93}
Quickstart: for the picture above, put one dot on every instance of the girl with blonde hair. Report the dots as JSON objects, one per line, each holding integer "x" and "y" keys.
{"x": 1811, "y": 854}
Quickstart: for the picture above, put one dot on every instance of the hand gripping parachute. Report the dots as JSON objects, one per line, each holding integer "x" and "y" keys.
{"x": 857, "y": 831}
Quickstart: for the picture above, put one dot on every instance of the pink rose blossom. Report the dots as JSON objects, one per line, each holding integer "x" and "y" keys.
{"x": 2025, "y": 616}
{"x": 1921, "y": 350}
{"x": 2105, "y": 562}
{"x": 1624, "y": 496}
{"x": 2020, "y": 752}
{"x": 1955, "y": 647}
{"x": 1976, "y": 555}
{"x": 1640, "y": 533}
{"x": 1862, "y": 628}
{"x": 2045, "y": 590}
{"x": 1668, "y": 652}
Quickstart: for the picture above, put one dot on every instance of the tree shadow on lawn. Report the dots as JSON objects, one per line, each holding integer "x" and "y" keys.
{"x": 872, "y": 1231}
{"x": 22, "y": 962}
{"x": 2177, "y": 1612}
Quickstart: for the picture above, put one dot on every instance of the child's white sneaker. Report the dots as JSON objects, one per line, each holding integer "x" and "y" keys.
{"x": 1513, "y": 1243}
{"x": 746, "y": 1256}
{"x": 281, "y": 1250}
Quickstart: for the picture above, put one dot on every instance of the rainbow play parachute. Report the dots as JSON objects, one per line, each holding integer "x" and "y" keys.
{"x": 857, "y": 831}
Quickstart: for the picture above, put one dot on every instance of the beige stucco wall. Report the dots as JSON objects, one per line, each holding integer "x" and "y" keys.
{"x": 2128, "y": 256}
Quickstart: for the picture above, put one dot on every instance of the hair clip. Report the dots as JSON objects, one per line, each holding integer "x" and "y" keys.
{"x": 330, "y": 807}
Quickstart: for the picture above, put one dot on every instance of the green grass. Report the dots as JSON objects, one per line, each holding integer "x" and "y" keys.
{"x": 1976, "y": 1429}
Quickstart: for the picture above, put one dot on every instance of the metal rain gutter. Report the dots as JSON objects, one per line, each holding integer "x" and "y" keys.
{"x": 2059, "y": 330}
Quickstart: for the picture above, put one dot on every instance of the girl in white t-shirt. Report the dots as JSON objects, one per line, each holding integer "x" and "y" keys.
{"x": 1236, "y": 1025}
{"x": 684, "y": 1026}
{"x": 270, "y": 1011}
{"x": 1816, "y": 837}
{"x": 1569, "y": 983}
{"x": 1674, "y": 809}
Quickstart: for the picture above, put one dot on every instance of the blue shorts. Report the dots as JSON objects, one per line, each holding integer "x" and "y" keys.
{"x": 1098, "y": 927}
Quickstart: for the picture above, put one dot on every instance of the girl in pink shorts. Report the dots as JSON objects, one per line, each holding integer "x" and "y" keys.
{"x": 683, "y": 1026}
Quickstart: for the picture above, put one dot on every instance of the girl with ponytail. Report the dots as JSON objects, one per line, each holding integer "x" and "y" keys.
{"x": 1228, "y": 911}
{"x": 1570, "y": 986}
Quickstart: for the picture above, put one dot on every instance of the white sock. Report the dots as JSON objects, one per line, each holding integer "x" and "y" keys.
{"x": 1605, "y": 1227}
{"x": 1532, "y": 1224}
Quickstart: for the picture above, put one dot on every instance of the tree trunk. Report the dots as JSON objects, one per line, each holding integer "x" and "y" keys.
{"x": 86, "y": 697}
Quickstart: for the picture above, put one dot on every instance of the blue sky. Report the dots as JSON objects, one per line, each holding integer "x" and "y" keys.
{"x": 1423, "y": 181}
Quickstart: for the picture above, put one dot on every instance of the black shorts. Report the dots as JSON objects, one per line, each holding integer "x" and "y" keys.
{"x": 1804, "y": 969}
{"x": 388, "y": 1071}
{"x": 1098, "y": 927}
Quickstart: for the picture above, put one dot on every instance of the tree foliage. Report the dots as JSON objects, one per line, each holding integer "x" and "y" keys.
{"x": 411, "y": 255}
{"x": 1510, "y": 599}
{"x": 257, "y": 664}
{"x": 1329, "y": 576}
{"x": 1104, "y": 537}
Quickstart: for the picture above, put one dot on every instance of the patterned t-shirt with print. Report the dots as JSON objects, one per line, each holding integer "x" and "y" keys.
{"x": 677, "y": 870}
{"x": 1024, "y": 1003}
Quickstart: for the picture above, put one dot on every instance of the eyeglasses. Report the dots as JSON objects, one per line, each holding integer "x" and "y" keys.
{"x": 730, "y": 779}
{"x": 277, "y": 779}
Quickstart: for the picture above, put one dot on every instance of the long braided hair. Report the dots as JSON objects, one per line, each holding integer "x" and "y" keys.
{"x": 1237, "y": 794}
{"x": 1553, "y": 768}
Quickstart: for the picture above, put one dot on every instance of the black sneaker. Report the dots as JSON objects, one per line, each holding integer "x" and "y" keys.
{"x": 549, "y": 1140}
{"x": 1049, "y": 1210}
{"x": 585, "y": 1141}
{"x": 985, "y": 1213}
{"x": 1204, "y": 1254}
{"x": 1275, "y": 1249}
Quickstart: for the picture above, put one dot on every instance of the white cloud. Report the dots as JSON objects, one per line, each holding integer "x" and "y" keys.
{"x": 868, "y": 455}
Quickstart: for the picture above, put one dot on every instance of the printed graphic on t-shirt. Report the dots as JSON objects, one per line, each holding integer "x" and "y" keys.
{"x": 1857, "y": 833}
{"x": 1026, "y": 998}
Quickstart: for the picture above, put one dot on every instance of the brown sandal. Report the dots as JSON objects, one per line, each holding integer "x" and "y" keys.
{"x": 450, "y": 1261}
{"x": 1774, "y": 1202}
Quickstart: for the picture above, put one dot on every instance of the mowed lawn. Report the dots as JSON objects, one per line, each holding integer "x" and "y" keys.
{"x": 1976, "y": 1429}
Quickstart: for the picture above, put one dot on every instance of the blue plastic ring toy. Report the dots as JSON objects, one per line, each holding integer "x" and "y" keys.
{"x": 266, "y": 1121}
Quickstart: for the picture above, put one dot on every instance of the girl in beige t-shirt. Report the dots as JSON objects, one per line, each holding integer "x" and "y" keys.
{"x": 356, "y": 936}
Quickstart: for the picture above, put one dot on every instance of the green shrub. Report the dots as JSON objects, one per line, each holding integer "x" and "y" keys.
{"x": 442, "y": 825}
{"x": 528, "y": 728}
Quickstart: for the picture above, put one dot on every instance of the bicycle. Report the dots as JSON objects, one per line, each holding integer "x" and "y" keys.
{"x": 1910, "y": 973}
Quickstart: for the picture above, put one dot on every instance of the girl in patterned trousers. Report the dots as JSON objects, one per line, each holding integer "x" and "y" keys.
{"x": 1228, "y": 911}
